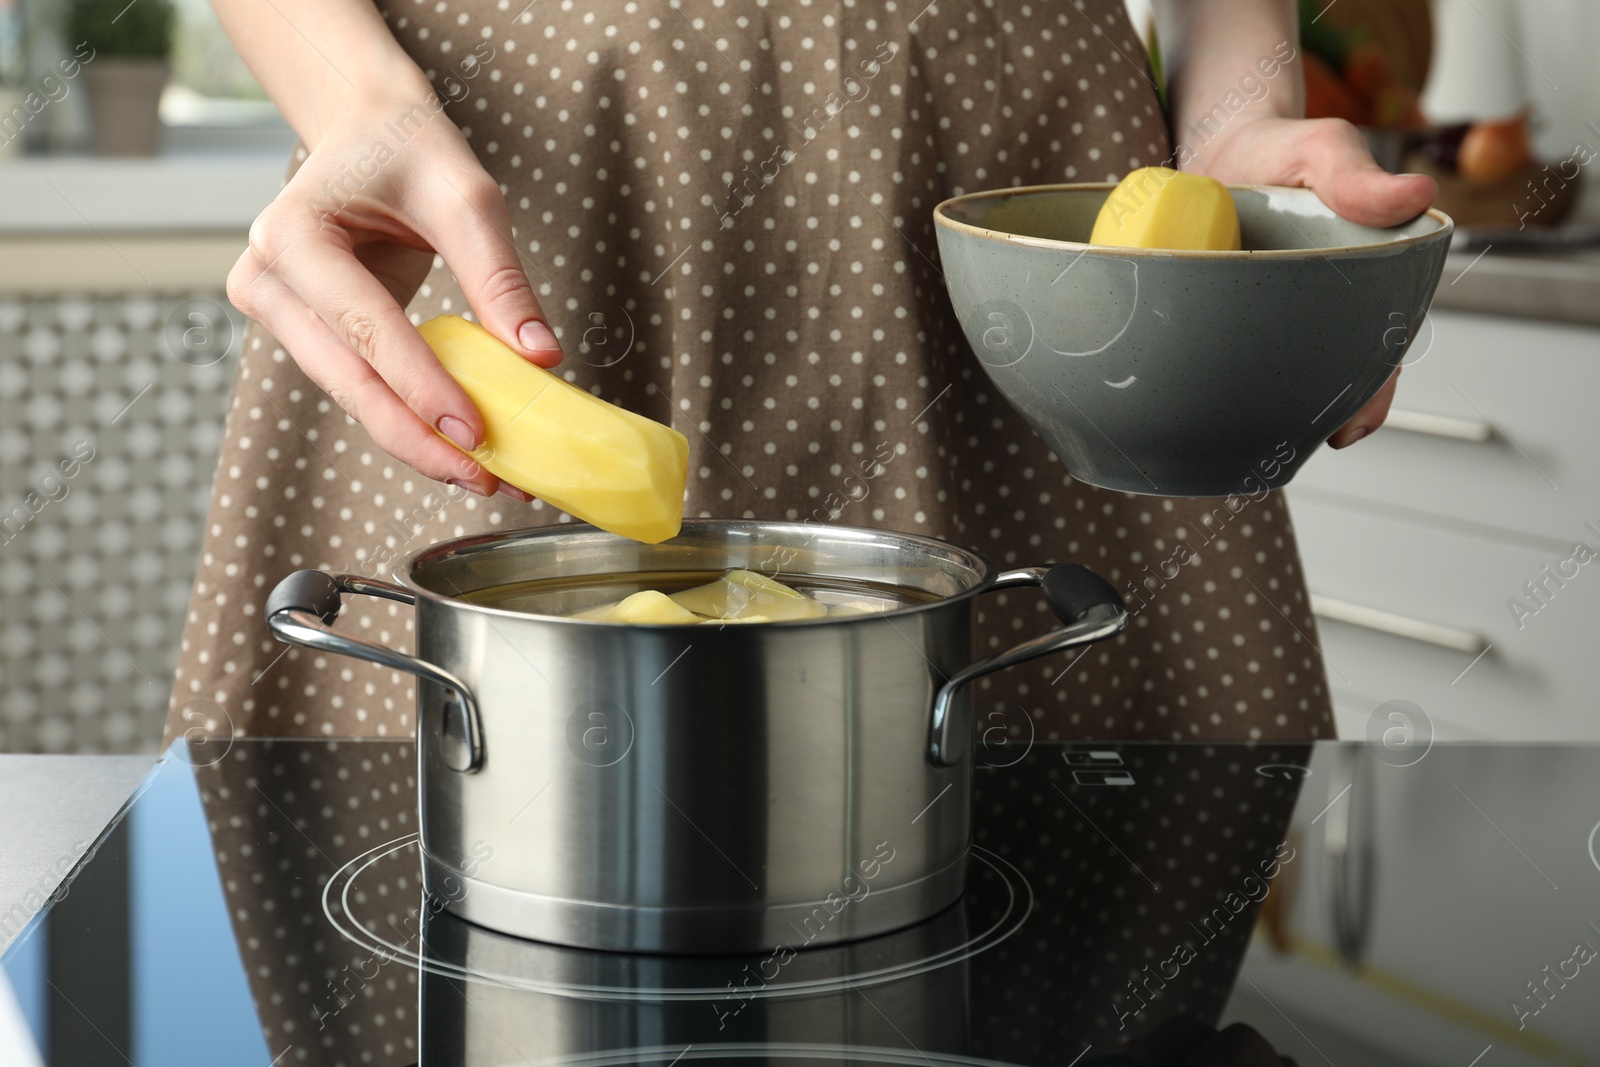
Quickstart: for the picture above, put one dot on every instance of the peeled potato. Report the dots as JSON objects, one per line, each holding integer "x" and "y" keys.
{"x": 739, "y": 597}
{"x": 740, "y": 594}
{"x": 606, "y": 465}
{"x": 1156, "y": 207}
{"x": 646, "y": 606}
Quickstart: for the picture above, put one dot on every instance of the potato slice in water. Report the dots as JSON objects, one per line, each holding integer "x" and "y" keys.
{"x": 740, "y": 594}
{"x": 646, "y": 606}
{"x": 857, "y": 609}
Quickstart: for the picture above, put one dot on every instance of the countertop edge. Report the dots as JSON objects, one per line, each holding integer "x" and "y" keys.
{"x": 1549, "y": 288}
{"x": 71, "y": 800}
{"x": 165, "y": 194}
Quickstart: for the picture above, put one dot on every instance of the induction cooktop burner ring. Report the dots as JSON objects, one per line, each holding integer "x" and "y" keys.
{"x": 1019, "y": 905}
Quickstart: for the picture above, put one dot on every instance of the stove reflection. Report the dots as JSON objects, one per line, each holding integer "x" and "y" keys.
{"x": 904, "y": 990}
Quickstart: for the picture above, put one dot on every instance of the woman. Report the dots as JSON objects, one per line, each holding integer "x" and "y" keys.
{"x": 720, "y": 213}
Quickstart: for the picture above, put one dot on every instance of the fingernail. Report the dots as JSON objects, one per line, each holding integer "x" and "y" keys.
{"x": 514, "y": 493}
{"x": 536, "y": 337}
{"x": 460, "y": 433}
{"x": 1357, "y": 434}
{"x": 471, "y": 487}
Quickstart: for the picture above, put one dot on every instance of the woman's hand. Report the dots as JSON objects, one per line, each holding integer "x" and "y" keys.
{"x": 1329, "y": 157}
{"x": 1238, "y": 95}
{"x": 336, "y": 257}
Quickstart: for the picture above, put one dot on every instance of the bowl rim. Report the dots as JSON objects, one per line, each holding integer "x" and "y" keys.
{"x": 941, "y": 218}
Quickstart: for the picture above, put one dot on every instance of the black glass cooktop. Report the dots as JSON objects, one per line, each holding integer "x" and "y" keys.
{"x": 259, "y": 903}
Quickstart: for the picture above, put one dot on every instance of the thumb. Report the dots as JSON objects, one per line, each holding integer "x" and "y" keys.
{"x": 1339, "y": 168}
{"x": 475, "y": 241}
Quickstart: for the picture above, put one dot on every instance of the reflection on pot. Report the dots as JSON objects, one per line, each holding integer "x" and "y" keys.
{"x": 553, "y": 1001}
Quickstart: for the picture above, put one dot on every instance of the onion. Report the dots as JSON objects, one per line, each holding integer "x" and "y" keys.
{"x": 1494, "y": 152}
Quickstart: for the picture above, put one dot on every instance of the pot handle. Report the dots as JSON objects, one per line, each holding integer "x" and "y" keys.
{"x": 299, "y": 612}
{"x": 1084, "y": 601}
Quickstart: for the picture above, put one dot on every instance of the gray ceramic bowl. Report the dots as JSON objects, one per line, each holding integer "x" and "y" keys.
{"x": 1185, "y": 373}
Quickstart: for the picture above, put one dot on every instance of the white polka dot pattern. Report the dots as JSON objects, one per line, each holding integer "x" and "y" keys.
{"x": 726, "y": 211}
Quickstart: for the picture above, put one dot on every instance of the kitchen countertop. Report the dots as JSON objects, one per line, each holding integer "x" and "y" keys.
{"x": 1550, "y": 286}
{"x": 56, "y": 806}
{"x": 174, "y": 223}
{"x": 178, "y": 193}
{"x": 114, "y": 204}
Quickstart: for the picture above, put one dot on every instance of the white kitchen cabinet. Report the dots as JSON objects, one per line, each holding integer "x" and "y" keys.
{"x": 1529, "y": 388}
{"x": 1441, "y": 965}
{"x": 1537, "y": 675}
{"x": 1446, "y": 525}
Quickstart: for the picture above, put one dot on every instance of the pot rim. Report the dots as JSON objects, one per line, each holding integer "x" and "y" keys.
{"x": 988, "y": 573}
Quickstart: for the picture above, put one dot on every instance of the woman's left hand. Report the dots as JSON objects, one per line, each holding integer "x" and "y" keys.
{"x": 1329, "y": 157}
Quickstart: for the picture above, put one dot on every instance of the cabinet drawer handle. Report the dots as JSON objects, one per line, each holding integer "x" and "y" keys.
{"x": 1386, "y": 622}
{"x": 1446, "y": 426}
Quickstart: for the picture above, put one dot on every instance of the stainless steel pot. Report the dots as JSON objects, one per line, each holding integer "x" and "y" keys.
{"x": 695, "y": 788}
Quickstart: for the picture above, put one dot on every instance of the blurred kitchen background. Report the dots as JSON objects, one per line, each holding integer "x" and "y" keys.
{"x": 128, "y": 182}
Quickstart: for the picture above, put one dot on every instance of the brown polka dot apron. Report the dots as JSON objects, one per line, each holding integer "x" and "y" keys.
{"x": 726, "y": 210}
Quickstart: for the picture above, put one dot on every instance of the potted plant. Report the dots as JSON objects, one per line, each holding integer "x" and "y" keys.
{"x": 130, "y": 45}
{"x": 13, "y": 69}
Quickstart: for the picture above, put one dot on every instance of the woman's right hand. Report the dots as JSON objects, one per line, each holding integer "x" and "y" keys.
{"x": 336, "y": 257}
